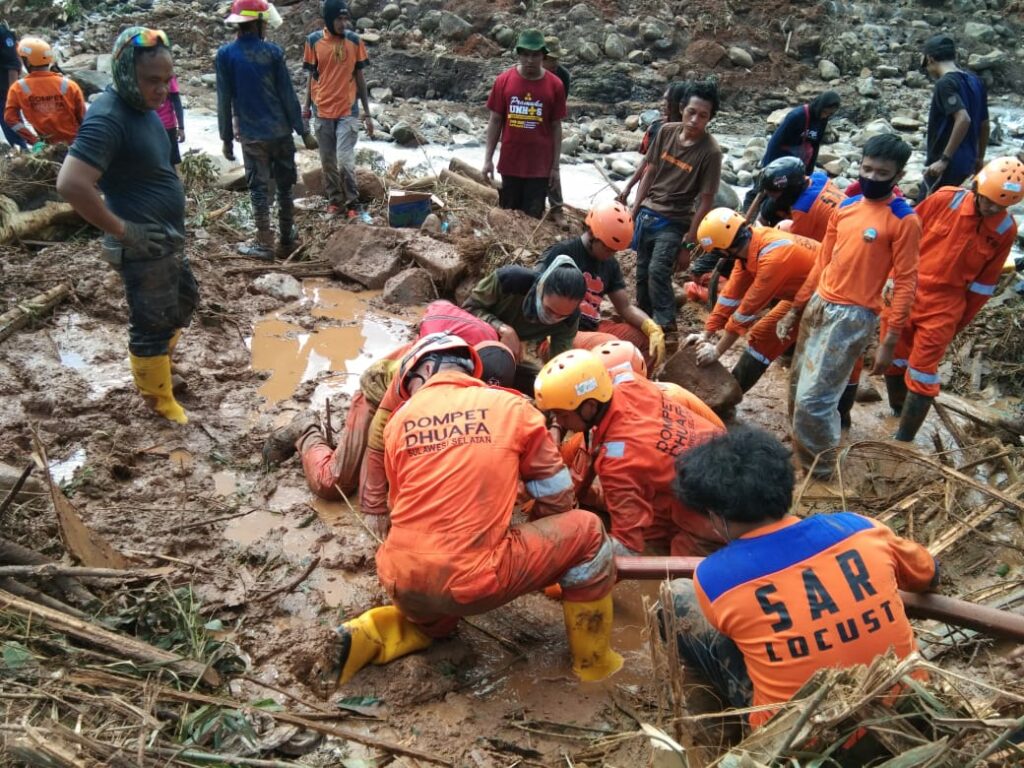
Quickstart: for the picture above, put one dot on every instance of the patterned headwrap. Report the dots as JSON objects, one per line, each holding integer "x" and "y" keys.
{"x": 126, "y": 82}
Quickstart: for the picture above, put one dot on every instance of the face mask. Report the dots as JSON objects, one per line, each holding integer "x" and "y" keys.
{"x": 542, "y": 312}
{"x": 873, "y": 189}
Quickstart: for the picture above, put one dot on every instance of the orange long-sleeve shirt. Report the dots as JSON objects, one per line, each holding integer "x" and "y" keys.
{"x": 962, "y": 253}
{"x": 637, "y": 443}
{"x": 52, "y": 103}
{"x": 799, "y": 595}
{"x": 865, "y": 242}
{"x": 454, "y": 454}
{"x": 776, "y": 266}
{"x": 813, "y": 209}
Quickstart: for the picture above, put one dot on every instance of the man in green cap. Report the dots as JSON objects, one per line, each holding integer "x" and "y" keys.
{"x": 527, "y": 105}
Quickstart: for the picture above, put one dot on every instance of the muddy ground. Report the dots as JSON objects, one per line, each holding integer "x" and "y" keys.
{"x": 501, "y": 691}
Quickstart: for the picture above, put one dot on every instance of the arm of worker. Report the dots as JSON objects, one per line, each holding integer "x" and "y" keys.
{"x": 309, "y": 63}
{"x": 76, "y": 183}
{"x": 179, "y": 114}
{"x": 629, "y": 507}
{"x": 364, "y": 99}
{"x": 225, "y": 119}
{"x": 564, "y": 334}
{"x": 494, "y": 127}
{"x": 765, "y": 286}
{"x": 286, "y": 92}
{"x": 905, "y": 248}
{"x": 961, "y": 125}
{"x": 638, "y": 174}
{"x": 983, "y": 135}
{"x": 12, "y": 116}
{"x": 650, "y": 163}
{"x": 985, "y": 283}
{"x": 556, "y": 159}
{"x": 482, "y": 301}
{"x": 546, "y": 477}
{"x": 916, "y": 569}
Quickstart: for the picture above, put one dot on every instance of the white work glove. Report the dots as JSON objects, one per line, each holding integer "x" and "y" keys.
{"x": 785, "y": 325}
{"x": 707, "y": 353}
{"x": 696, "y": 338}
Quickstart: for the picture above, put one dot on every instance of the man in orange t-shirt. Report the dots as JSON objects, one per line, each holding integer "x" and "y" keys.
{"x": 335, "y": 58}
{"x": 868, "y": 238}
{"x": 786, "y": 596}
{"x": 51, "y": 102}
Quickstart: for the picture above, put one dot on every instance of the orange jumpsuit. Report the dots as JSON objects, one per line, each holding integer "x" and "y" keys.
{"x": 454, "y": 453}
{"x": 812, "y": 210}
{"x": 800, "y": 595}
{"x": 776, "y": 266}
{"x": 51, "y": 102}
{"x": 635, "y": 445}
{"x": 962, "y": 256}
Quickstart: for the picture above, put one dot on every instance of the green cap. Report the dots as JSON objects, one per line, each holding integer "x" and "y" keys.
{"x": 531, "y": 40}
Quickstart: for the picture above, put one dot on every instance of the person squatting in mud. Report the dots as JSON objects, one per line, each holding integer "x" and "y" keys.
{"x": 456, "y": 452}
{"x": 122, "y": 148}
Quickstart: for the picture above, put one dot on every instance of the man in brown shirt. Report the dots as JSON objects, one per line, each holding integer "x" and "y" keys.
{"x": 684, "y": 164}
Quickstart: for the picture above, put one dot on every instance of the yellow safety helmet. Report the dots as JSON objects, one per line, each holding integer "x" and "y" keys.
{"x": 570, "y": 379}
{"x": 36, "y": 51}
{"x": 719, "y": 228}
{"x": 1002, "y": 181}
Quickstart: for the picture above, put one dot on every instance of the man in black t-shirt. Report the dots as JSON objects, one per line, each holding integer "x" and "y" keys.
{"x": 957, "y": 119}
{"x": 552, "y": 65}
{"x": 609, "y": 230}
{"x": 10, "y": 70}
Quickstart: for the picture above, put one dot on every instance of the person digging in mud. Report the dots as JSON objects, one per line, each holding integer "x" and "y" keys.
{"x": 358, "y": 459}
{"x": 636, "y": 431}
{"x": 456, "y": 453}
{"x": 527, "y": 106}
{"x": 684, "y": 165}
{"x": 256, "y": 104}
{"x": 965, "y": 239}
{"x": 122, "y": 148}
{"x": 609, "y": 230}
{"x": 523, "y": 305}
{"x": 786, "y": 596}
{"x": 868, "y": 239}
{"x": 53, "y": 103}
{"x": 335, "y": 58}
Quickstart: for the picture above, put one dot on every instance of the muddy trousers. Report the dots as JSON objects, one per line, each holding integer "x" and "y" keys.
{"x": 656, "y": 254}
{"x": 325, "y": 468}
{"x": 569, "y": 548}
{"x": 161, "y": 294}
{"x": 923, "y": 342}
{"x": 267, "y": 161}
{"x": 833, "y": 338}
{"x": 337, "y": 139}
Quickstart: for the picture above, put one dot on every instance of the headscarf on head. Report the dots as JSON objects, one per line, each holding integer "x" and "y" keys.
{"x": 825, "y": 100}
{"x": 533, "y": 304}
{"x": 126, "y": 82}
{"x": 332, "y": 10}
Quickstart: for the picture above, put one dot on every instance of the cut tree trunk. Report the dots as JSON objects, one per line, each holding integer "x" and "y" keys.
{"x": 19, "y": 315}
{"x": 986, "y": 416}
{"x": 23, "y": 224}
{"x": 470, "y": 172}
{"x": 484, "y": 194}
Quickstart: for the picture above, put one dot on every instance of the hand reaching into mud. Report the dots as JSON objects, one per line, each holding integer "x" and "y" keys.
{"x": 696, "y": 338}
{"x": 785, "y": 325}
{"x": 507, "y": 335}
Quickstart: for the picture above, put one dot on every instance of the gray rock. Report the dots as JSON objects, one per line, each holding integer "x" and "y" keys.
{"x": 589, "y": 52}
{"x": 370, "y": 38}
{"x": 279, "y": 286}
{"x": 916, "y": 80}
{"x": 745, "y": 179}
{"x": 828, "y": 70}
{"x": 726, "y": 196}
{"x": 410, "y": 287}
{"x": 440, "y": 259}
{"x": 364, "y": 22}
{"x": 571, "y": 144}
{"x": 615, "y": 46}
{"x": 390, "y": 12}
{"x": 382, "y": 95}
{"x": 430, "y": 21}
{"x": 406, "y": 135}
{"x": 209, "y": 80}
{"x": 460, "y": 121}
{"x": 978, "y": 32}
{"x": 504, "y": 35}
{"x": 632, "y": 122}
{"x": 886, "y": 70}
{"x": 638, "y": 57}
{"x": 467, "y": 140}
{"x": 740, "y": 57}
{"x": 89, "y": 80}
{"x": 982, "y": 61}
{"x": 904, "y": 123}
{"x": 664, "y": 44}
{"x": 652, "y": 30}
{"x": 105, "y": 63}
{"x": 729, "y": 175}
{"x": 837, "y": 167}
{"x": 580, "y": 13}
{"x": 866, "y": 87}
{"x": 454, "y": 27}
{"x": 623, "y": 168}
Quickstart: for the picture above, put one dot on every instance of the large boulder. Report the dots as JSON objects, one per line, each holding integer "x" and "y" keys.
{"x": 705, "y": 53}
{"x": 410, "y": 287}
{"x": 368, "y": 255}
{"x": 439, "y": 258}
{"x": 90, "y": 80}
{"x": 711, "y": 383}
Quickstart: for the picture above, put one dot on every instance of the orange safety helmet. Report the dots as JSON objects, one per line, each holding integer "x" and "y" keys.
{"x": 36, "y": 51}
{"x": 612, "y": 224}
{"x": 618, "y": 355}
{"x": 1002, "y": 181}
{"x": 243, "y": 11}
{"x": 433, "y": 344}
{"x": 571, "y": 378}
{"x": 497, "y": 362}
{"x": 719, "y": 228}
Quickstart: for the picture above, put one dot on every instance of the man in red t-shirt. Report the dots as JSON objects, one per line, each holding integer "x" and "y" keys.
{"x": 527, "y": 105}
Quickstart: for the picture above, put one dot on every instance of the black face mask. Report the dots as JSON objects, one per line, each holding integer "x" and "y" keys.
{"x": 872, "y": 189}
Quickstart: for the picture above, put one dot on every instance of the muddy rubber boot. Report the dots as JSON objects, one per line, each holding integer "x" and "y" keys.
{"x": 283, "y": 442}
{"x": 378, "y": 636}
{"x": 896, "y": 389}
{"x": 588, "y": 627}
{"x": 152, "y": 376}
{"x": 915, "y": 409}
{"x": 846, "y": 401}
{"x": 178, "y": 382}
{"x": 262, "y": 248}
{"x": 748, "y": 371}
{"x": 288, "y": 242}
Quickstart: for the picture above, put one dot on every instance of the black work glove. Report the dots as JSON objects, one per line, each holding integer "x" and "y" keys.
{"x": 144, "y": 238}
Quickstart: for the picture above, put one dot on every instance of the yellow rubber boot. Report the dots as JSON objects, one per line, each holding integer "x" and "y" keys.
{"x": 153, "y": 378}
{"x": 588, "y": 627}
{"x": 378, "y": 636}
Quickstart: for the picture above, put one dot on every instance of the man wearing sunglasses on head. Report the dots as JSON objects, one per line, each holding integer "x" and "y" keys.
{"x": 122, "y": 151}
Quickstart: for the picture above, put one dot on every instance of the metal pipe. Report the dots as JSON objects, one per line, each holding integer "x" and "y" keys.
{"x": 918, "y": 605}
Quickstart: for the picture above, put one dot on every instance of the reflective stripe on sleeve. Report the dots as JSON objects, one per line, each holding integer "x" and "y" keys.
{"x": 983, "y": 288}
{"x": 924, "y": 378}
{"x": 728, "y": 302}
{"x": 549, "y": 486}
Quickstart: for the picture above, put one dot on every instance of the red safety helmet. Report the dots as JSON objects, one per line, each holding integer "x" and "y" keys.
{"x": 243, "y": 11}
{"x": 433, "y": 344}
{"x": 612, "y": 224}
{"x": 618, "y": 354}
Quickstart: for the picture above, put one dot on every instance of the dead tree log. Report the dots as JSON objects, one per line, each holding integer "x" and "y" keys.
{"x": 19, "y": 315}
{"x": 484, "y": 194}
{"x": 470, "y": 172}
{"x": 22, "y": 224}
{"x": 992, "y": 418}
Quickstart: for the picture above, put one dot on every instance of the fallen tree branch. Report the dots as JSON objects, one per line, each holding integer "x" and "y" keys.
{"x": 15, "y": 554}
{"x": 20, "y": 314}
{"x": 287, "y": 587}
{"x": 50, "y": 570}
{"x": 15, "y": 489}
{"x": 488, "y": 194}
{"x": 21, "y": 590}
{"x": 982, "y": 414}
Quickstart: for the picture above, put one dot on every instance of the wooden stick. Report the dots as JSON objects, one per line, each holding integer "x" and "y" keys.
{"x": 50, "y": 570}
{"x": 16, "y": 488}
{"x": 15, "y": 554}
{"x": 21, "y": 590}
{"x": 21, "y": 313}
{"x": 607, "y": 178}
{"x": 119, "y": 644}
{"x": 982, "y": 414}
{"x": 289, "y": 586}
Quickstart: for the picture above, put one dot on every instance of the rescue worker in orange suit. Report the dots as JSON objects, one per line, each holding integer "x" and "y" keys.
{"x": 786, "y": 596}
{"x": 770, "y": 266}
{"x": 966, "y": 237}
{"x": 638, "y": 430}
{"x": 455, "y": 453}
{"x": 609, "y": 230}
{"x": 795, "y": 202}
{"x": 51, "y": 102}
